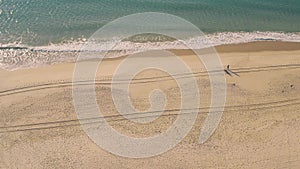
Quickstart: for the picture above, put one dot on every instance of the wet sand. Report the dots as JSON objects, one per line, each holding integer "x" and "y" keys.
{"x": 259, "y": 127}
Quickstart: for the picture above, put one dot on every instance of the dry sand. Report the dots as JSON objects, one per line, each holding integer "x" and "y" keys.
{"x": 260, "y": 126}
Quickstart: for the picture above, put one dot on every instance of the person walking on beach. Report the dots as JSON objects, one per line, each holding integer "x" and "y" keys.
{"x": 227, "y": 71}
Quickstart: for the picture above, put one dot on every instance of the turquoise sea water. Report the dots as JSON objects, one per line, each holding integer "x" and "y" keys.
{"x": 40, "y": 22}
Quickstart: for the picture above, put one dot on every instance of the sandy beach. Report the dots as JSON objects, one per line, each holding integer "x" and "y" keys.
{"x": 260, "y": 126}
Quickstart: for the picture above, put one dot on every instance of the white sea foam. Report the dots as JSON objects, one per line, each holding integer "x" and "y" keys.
{"x": 200, "y": 42}
{"x": 15, "y": 56}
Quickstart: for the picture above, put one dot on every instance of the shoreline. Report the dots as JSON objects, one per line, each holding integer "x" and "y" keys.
{"x": 259, "y": 46}
{"x": 42, "y": 59}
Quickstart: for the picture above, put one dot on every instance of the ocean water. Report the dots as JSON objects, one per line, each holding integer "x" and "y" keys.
{"x": 56, "y": 25}
{"x": 40, "y": 22}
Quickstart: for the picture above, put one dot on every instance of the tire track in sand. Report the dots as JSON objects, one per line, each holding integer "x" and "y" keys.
{"x": 172, "y": 112}
{"x": 141, "y": 80}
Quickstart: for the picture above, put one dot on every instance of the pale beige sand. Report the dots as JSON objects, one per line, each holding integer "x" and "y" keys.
{"x": 260, "y": 127}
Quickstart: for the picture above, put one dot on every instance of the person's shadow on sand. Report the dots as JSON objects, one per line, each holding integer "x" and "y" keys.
{"x": 229, "y": 72}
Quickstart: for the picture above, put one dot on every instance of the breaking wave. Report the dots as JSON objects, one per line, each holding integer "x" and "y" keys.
{"x": 17, "y": 56}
